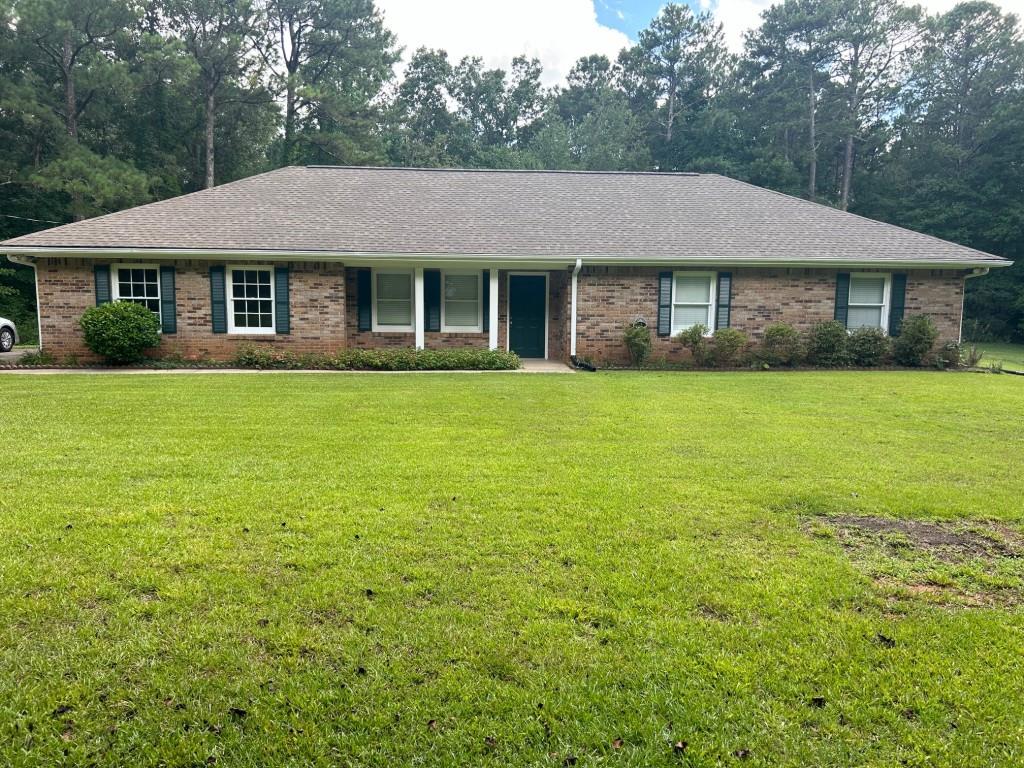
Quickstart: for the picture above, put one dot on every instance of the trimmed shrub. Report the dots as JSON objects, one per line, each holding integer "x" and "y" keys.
{"x": 403, "y": 359}
{"x": 638, "y": 342}
{"x": 727, "y": 345}
{"x": 120, "y": 331}
{"x": 695, "y": 339}
{"x": 867, "y": 347}
{"x": 950, "y": 355}
{"x": 827, "y": 345}
{"x": 917, "y": 337}
{"x": 780, "y": 345}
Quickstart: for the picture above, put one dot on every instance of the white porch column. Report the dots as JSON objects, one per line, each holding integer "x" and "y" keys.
{"x": 493, "y": 308}
{"x": 420, "y": 310}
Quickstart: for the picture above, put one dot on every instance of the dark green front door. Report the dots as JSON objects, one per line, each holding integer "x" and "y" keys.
{"x": 527, "y": 296}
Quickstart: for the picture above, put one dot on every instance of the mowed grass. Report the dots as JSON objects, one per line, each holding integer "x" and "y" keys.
{"x": 1010, "y": 355}
{"x": 491, "y": 569}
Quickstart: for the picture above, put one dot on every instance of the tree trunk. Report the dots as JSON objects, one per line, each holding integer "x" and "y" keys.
{"x": 211, "y": 105}
{"x": 812, "y": 176}
{"x": 671, "y": 115}
{"x": 70, "y": 100}
{"x": 844, "y": 200}
{"x": 289, "y": 121}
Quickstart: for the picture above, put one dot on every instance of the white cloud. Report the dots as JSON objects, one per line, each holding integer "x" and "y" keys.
{"x": 738, "y": 16}
{"x": 558, "y": 32}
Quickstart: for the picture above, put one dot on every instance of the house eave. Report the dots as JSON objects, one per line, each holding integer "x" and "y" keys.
{"x": 359, "y": 258}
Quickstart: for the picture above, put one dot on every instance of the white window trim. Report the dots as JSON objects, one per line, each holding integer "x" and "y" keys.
{"x": 115, "y": 287}
{"x": 712, "y": 309}
{"x": 886, "y": 299}
{"x": 377, "y": 327}
{"x": 479, "y": 327}
{"x": 230, "y": 301}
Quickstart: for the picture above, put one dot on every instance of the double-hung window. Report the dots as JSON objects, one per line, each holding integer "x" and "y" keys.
{"x": 138, "y": 283}
{"x": 693, "y": 300}
{"x": 250, "y": 300}
{"x": 868, "y": 302}
{"x": 460, "y": 302}
{"x": 392, "y": 300}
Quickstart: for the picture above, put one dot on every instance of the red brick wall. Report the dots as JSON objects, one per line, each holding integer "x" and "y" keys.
{"x": 316, "y": 297}
{"x": 611, "y": 297}
{"x": 324, "y": 317}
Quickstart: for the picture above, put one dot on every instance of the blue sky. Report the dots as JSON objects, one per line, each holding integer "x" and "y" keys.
{"x": 629, "y": 16}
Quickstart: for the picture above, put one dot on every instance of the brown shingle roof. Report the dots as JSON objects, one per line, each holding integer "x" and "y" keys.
{"x": 652, "y": 216}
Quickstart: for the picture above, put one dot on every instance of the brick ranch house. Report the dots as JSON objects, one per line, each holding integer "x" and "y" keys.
{"x": 547, "y": 263}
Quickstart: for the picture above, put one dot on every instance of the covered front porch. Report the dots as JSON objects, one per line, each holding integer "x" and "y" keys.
{"x": 527, "y": 311}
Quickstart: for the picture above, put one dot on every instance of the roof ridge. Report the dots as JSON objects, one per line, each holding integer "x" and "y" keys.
{"x": 563, "y": 171}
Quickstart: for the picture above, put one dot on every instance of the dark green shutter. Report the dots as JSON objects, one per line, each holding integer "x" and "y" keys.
{"x": 842, "y": 297}
{"x": 218, "y": 304}
{"x": 168, "y": 304}
{"x": 485, "y": 301}
{"x": 897, "y": 303}
{"x": 724, "y": 300}
{"x": 432, "y": 299}
{"x": 102, "y": 274}
{"x": 664, "y": 303}
{"x": 282, "y": 317}
{"x": 364, "y": 298}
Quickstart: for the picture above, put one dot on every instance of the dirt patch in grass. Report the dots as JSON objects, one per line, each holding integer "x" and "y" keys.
{"x": 962, "y": 564}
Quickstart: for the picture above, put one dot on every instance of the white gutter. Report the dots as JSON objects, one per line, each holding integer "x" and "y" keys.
{"x": 30, "y": 262}
{"x": 978, "y": 272}
{"x": 353, "y": 258}
{"x": 572, "y": 314}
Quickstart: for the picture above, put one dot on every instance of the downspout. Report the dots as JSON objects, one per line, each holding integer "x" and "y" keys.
{"x": 30, "y": 261}
{"x": 572, "y": 311}
{"x": 977, "y": 272}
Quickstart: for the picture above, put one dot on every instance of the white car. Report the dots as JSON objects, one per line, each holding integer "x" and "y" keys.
{"x": 8, "y": 334}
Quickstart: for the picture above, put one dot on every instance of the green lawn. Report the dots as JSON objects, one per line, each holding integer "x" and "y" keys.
{"x": 429, "y": 569}
{"x": 1011, "y": 355}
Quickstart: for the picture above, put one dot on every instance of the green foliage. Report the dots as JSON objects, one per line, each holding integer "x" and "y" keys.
{"x": 41, "y": 358}
{"x": 404, "y": 359}
{"x": 120, "y": 331}
{"x": 781, "y": 345}
{"x": 695, "y": 339}
{"x": 918, "y": 335}
{"x": 94, "y": 185}
{"x": 826, "y": 345}
{"x": 949, "y": 356}
{"x": 727, "y": 347}
{"x": 637, "y": 337}
{"x": 867, "y": 347}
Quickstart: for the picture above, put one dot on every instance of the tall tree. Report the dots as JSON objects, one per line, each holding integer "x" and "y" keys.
{"x": 873, "y": 42}
{"x": 220, "y": 37}
{"x": 330, "y": 58}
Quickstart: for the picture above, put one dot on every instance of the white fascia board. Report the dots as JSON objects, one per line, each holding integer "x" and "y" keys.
{"x": 362, "y": 258}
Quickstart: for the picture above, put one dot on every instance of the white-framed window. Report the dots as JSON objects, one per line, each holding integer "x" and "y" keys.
{"x": 461, "y": 304}
{"x": 693, "y": 300}
{"x": 250, "y": 299}
{"x": 392, "y": 300}
{"x": 868, "y": 304}
{"x": 138, "y": 283}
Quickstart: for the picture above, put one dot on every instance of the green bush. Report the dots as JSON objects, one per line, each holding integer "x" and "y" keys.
{"x": 727, "y": 344}
{"x": 120, "y": 331}
{"x": 638, "y": 342}
{"x": 950, "y": 355}
{"x": 780, "y": 345}
{"x": 827, "y": 345}
{"x": 402, "y": 359}
{"x": 695, "y": 339}
{"x": 917, "y": 337}
{"x": 867, "y": 347}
